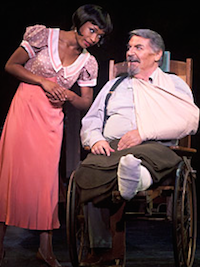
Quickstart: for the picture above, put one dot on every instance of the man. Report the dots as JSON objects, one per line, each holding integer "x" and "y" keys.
{"x": 129, "y": 132}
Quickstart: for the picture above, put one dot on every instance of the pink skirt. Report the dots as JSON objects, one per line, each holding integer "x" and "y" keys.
{"x": 29, "y": 158}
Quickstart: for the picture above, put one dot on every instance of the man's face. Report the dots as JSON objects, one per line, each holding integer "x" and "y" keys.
{"x": 141, "y": 57}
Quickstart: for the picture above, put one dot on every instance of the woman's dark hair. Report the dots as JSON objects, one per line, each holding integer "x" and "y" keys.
{"x": 94, "y": 14}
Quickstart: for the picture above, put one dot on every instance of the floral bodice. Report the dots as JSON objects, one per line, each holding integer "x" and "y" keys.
{"x": 41, "y": 44}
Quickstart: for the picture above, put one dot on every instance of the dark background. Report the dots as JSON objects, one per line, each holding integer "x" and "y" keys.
{"x": 177, "y": 22}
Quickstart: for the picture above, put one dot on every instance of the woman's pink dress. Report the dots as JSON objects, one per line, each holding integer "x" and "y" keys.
{"x": 32, "y": 135}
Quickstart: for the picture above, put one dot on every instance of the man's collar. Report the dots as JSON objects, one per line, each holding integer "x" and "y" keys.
{"x": 152, "y": 76}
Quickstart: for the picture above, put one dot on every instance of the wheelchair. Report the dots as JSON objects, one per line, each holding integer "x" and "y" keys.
{"x": 184, "y": 216}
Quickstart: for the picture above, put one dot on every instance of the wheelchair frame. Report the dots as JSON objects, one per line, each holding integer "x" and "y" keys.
{"x": 184, "y": 219}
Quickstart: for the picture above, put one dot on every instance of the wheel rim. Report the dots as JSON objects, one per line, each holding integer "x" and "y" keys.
{"x": 184, "y": 217}
{"x": 187, "y": 218}
{"x": 76, "y": 230}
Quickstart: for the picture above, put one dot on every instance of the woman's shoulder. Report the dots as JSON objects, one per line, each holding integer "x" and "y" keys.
{"x": 36, "y": 35}
{"x": 35, "y": 30}
{"x": 91, "y": 62}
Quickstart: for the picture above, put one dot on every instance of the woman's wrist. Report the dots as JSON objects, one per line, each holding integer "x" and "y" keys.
{"x": 40, "y": 81}
{"x": 70, "y": 96}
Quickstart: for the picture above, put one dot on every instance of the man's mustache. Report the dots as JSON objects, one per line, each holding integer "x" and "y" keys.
{"x": 133, "y": 59}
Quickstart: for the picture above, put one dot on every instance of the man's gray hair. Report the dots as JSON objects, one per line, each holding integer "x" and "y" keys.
{"x": 156, "y": 41}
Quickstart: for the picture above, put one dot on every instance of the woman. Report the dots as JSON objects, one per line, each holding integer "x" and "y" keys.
{"x": 48, "y": 62}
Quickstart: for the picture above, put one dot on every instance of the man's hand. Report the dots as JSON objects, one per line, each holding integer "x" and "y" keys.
{"x": 102, "y": 148}
{"x": 131, "y": 138}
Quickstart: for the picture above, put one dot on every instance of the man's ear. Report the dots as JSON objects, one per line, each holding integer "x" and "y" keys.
{"x": 158, "y": 56}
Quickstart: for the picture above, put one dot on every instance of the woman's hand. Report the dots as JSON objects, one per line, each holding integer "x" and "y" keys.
{"x": 53, "y": 91}
{"x": 82, "y": 102}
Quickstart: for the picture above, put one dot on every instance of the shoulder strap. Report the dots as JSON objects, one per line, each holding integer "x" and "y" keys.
{"x": 118, "y": 81}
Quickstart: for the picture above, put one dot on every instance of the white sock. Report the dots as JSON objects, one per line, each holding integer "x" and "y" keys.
{"x": 128, "y": 176}
{"x": 132, "y": 177}
{"x": 145, "y": 179}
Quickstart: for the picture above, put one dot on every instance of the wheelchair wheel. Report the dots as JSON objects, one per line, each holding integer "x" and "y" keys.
{"x": 184, "y": 216}
{"x": 76, "y": 231}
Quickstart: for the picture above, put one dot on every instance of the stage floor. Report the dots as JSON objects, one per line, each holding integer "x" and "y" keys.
{"x": 149, "y": 243}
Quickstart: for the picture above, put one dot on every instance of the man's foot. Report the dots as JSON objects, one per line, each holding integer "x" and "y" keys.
{"x": 97, "y": 257}
{"x": 91, "y": 260}
{"x": 128, "y": 176}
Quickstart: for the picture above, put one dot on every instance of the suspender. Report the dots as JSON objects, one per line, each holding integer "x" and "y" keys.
{"x": 109, "y": 95}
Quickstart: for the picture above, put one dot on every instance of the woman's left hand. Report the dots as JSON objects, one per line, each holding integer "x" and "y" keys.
{"x": 82, "y": 102}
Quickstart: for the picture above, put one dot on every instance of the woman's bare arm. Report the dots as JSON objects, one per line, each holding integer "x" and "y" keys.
{"x": 15, "y": 66}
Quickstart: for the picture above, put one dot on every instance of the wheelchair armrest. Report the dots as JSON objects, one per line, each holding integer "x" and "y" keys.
{"x": 183, "y": 151}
